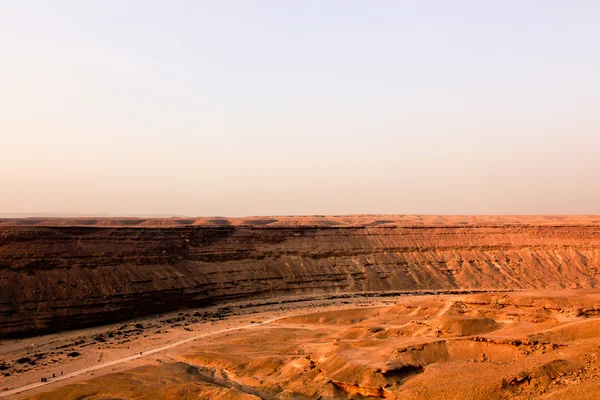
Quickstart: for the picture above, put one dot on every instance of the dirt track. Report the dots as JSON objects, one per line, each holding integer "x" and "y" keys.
{"x": 127, "y": 359}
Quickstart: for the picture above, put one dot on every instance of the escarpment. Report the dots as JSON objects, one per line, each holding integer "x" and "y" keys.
{"x": 62, "y": 277}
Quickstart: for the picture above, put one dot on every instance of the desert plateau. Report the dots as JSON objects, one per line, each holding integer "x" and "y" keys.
{"x": 320, "y": 307}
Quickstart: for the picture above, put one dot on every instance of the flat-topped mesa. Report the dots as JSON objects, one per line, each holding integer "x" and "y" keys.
{"x": 62, "y": 277}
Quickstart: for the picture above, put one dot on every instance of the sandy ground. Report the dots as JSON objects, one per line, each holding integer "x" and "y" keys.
{"x": 121, "y": 346}
{"x": 496, "y": 345}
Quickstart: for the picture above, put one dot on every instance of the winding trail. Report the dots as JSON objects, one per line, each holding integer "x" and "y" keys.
{"x": 447, "y": 307}
{"x": 31, "y": 386}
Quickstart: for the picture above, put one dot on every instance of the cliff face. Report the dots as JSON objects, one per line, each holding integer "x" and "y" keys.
{"x": 54, "y": 278}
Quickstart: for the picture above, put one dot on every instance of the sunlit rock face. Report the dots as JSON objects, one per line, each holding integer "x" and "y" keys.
{"x": 60, "y": 277}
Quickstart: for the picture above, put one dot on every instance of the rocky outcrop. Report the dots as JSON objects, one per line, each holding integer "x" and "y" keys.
{"x": 54, "y": 278}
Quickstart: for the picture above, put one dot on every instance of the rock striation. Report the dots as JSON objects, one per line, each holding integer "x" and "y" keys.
{"x": 61, "y": 277}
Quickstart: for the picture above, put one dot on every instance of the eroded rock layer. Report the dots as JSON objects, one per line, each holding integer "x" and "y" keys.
{"x": 54, "y": 278}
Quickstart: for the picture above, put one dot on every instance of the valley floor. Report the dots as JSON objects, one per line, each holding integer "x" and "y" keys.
{"x": 430, "y": 345}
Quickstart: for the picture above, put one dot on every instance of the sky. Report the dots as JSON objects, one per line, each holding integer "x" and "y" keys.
{"x": 281, "y": 107}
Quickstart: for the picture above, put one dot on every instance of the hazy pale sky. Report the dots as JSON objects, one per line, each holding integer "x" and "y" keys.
{"x": 299, "y": 107}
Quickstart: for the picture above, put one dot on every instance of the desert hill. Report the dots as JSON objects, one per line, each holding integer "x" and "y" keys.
{"x": 359, "y": 220}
